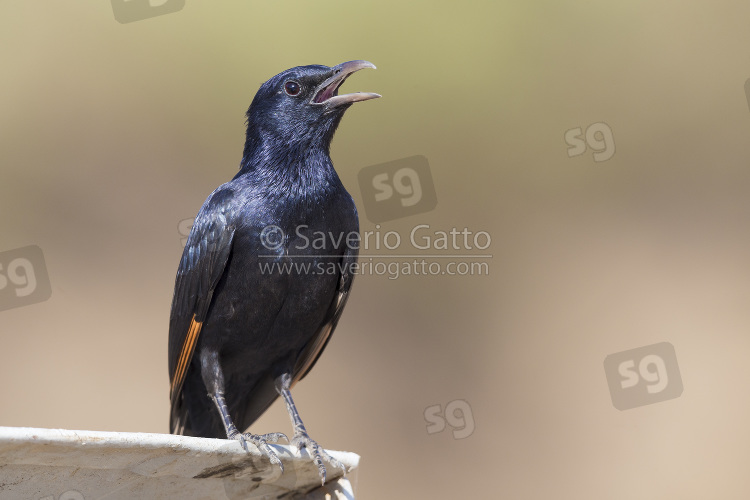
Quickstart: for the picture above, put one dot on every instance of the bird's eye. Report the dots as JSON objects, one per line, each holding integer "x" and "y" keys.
{"x": 292, "y": 88}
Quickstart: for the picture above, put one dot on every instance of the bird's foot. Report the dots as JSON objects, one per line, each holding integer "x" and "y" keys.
{"x": 302, "y": 440}
{"x": 261, "y": 442}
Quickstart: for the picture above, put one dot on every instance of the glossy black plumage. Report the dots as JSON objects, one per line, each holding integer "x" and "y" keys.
{"x": 241, "y": 333}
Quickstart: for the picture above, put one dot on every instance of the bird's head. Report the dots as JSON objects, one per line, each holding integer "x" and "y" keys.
{"x": 302, "y": 105}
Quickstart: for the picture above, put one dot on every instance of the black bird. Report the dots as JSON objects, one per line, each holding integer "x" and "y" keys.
{"x": 257, "y": 295}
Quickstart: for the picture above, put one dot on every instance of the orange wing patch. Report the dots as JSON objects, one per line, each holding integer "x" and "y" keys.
{"x": 185, "y": 356}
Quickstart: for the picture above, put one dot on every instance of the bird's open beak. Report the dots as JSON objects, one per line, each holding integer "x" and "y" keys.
{"x": 326, "y": 91}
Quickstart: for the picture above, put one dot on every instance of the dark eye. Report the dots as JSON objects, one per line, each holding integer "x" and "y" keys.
{"x": 292, "y": 88}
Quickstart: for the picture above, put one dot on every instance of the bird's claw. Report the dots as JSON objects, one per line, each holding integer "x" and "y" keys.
{"x": 302, "y": 440}
{"x": 272, "y": 437}
{"x": 261, "y": 442}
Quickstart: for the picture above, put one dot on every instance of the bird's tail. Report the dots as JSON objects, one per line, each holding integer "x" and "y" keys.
{"x": 179, "y": 423}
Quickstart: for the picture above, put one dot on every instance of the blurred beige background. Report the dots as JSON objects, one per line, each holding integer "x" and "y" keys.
{"x": 111, "y": 134}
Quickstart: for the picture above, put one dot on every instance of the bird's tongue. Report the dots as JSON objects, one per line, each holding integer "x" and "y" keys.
{"x": 328, "y": 92}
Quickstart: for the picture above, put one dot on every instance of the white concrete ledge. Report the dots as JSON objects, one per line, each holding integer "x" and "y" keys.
{"x": 57, "y": 464}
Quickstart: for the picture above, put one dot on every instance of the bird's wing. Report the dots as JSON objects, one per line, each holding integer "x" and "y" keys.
{"x": 202, "y": 266}
{"x": 312, "y": 351}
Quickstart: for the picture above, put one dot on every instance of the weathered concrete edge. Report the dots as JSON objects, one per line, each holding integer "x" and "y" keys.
{"x": 142, "y": 440}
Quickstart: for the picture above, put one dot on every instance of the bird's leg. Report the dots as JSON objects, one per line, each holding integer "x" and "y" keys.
{"x": 213, "y": 377}
{"x": 301, "y": 439}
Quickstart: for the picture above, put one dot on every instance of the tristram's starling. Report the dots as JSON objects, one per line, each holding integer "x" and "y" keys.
{"x": 257, "y": 295}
